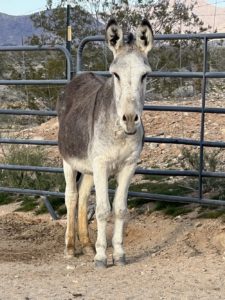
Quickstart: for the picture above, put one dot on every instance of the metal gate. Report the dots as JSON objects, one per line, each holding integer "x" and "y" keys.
{"x": 203, "y": 110}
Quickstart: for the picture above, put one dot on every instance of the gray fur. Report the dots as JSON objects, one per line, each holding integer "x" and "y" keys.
{"x": 76, "y": 112}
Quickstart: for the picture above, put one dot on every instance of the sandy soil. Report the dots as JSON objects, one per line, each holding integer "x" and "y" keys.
{"x": 181, "y": 258}
{"x": 177, "y": 259}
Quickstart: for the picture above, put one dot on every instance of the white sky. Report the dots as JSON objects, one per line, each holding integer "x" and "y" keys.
{"x": 22, "y": 7}
{"x": 26, "y": 7}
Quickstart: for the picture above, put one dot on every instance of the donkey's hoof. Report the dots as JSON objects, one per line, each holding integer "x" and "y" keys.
{"x": 69, "y": 253}
{"x": 88, "y": 250}
{"x": 101, "y": 264}
{"x": 120, "y": 261}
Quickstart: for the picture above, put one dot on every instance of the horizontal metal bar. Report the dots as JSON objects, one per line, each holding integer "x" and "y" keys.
{"x": 31, "y": 192}
{"x": 158, "y": 37}
{"x": 171, "y": 74}
{"x": 35, "y": 82}
{"x": 178, "y": 141}
{"x": 153, "y": 197}
{"x": 69, "y": 65}
{"x": 190, "y": 36}
{"x": 140, "y": 171}
{"x": 60, "y": 170}
{"x": 31, "y": 168}
{"x": 215, "y": 75}
{"x": 34, "y": 48}
{"x": 213, "y": 144}
{"x": 28, "y": 112}
{"x": 100, "y": 73}
{"x": 191, "y": 173}
{"x": 172, "y": 141}
{"x": 172, "y": 108}
{"x": 28, "y": 142}
{"x": 166, "y": 172}
{"x": 183, "y": 199}
{"x": 213, "y": 174}
{"x": 212, "y": 110}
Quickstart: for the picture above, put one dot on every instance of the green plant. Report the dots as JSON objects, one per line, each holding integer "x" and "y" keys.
{"x": 173, "y": 209}
{"x": 27, "y": 203}
{"x": 23, "y": 155}
{"x": 165, "y": 188}
{"x": 58, "y": 205}
{"x": 214, "y": 186}
{"x": 5, "y": 199}
{"x": 211, "y": 212}
{"x": 33, "y": 156}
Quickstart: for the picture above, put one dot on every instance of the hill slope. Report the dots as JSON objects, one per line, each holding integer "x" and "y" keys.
{"x": 15, "y": 29}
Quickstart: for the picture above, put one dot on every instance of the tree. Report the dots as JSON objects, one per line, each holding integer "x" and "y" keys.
{"x": 165, "y": 16}
{"x": 89, "y": 18}
{"x": 53, "y": 22}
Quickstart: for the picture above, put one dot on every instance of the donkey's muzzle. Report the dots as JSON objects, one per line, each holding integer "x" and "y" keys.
{"x": 130, "y": 122}
{"x": 130, "y": 133}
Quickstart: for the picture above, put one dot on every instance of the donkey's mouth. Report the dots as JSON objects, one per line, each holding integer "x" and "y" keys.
{"x": 131, "y": 133}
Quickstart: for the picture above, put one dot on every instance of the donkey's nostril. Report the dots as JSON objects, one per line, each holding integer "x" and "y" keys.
{"x": 124, "y": 118}
{"x": 136, "y": 118}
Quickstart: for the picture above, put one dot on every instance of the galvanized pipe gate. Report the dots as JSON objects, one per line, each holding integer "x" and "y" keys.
{"x": 203, "y": 110}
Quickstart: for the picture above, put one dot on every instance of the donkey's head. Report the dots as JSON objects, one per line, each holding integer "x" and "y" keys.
{"x": 129, "y": 68}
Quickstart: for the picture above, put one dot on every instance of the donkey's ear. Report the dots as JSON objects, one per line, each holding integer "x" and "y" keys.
{"x": 144, "y": 36}
{"x": 114, "y": 36}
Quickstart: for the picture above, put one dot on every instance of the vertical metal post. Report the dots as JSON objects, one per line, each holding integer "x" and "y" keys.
{"x": 68, "y": 29}
{"x": 202, "y": 130}
{"x": 68, "y": 34}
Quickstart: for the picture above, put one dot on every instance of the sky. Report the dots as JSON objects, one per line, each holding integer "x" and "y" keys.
{"x": 22, "y": 7}
{"x": 26, "y": 7}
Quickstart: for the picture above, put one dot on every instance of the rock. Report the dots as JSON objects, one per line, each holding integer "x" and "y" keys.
{"x": 198, "y": 224}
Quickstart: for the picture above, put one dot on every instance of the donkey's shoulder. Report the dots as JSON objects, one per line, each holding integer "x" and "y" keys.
{"x": 79, "y": 92}
{"x": 82, "y": 81}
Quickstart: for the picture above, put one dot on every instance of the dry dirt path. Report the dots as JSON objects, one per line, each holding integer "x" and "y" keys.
{"x": 181, "y": 258}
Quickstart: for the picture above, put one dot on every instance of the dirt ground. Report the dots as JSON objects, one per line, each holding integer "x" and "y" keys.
{"x": 168, "y": 258}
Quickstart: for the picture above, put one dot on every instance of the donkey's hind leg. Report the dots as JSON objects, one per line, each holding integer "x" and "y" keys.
{"x": 84, "y": 192}
{"x": 71, "y": 197}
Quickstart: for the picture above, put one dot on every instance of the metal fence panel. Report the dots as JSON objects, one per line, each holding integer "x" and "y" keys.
{"x": 201, "y": 143}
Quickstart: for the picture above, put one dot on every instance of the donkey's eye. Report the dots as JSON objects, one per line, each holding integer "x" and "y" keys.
{"x": 143, "y": 77}
{"x": 116, "y": 75}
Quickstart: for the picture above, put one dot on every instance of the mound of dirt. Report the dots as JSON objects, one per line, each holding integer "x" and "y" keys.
{"x": 181, "y": 258}
{"x": 24, "y": 238}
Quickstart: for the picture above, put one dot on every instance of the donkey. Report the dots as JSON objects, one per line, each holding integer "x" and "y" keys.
{"x": 101, "y": 135}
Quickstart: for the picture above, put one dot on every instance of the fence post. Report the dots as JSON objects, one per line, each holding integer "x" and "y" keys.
{"x": 69, "y": 30}
{"x": 202, "y": 129}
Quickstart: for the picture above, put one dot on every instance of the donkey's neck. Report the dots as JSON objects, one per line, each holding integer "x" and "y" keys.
{"x": 105, "y": 104}
{"x": 106, "y": 112}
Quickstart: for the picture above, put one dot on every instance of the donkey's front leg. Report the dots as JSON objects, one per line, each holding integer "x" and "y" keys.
{"x": 102, "y": 211}
{"x": 120, "y": 208}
